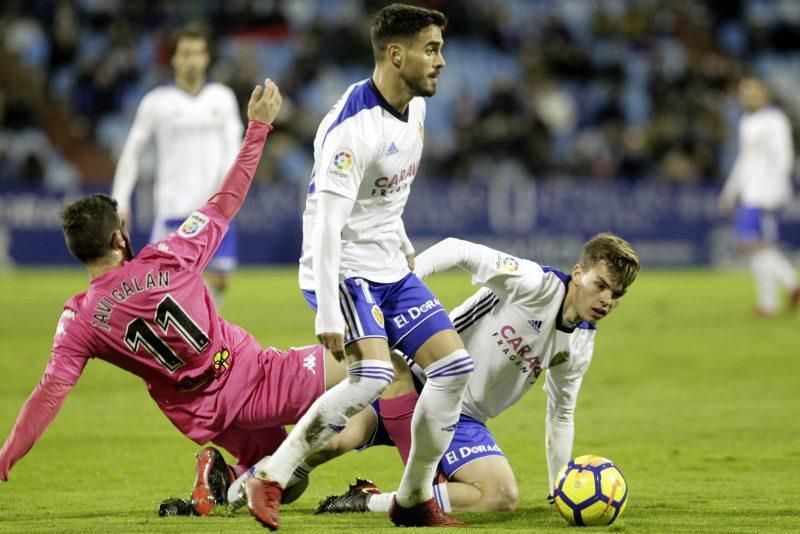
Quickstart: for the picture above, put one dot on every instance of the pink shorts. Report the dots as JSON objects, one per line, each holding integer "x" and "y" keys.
{"x": 292, "y": 381}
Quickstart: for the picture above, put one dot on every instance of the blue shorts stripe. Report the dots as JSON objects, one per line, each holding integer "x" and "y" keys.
{"x": 350, "y": 313}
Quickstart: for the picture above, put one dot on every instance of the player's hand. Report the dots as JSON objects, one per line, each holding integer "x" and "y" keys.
{"x": 334, "y": 342}
{"x": 410, "y": 260}
{"x": 265, "y": 102}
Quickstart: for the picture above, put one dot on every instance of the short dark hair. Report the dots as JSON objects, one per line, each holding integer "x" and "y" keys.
{"x": 622, "y": 260}
{"x": 401, "y": 21}
{"x": 89, "y": 225}
{"x": 190, "y": 31}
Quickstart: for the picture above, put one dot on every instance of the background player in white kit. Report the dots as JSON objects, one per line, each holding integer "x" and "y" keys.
{"x": 367, "y": 153}
{"x": 525, "y": 319}
{"x": 197, "y": 132}
{"x": 760, "y": 182}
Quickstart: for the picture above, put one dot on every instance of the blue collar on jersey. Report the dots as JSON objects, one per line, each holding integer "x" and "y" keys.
{"x": 560, "y": 326}
{"x": 386, "y": 105}
{"x": 364, "y": 96}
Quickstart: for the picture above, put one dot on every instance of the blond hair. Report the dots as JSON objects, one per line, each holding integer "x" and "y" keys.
{"x": 617, "y": 253}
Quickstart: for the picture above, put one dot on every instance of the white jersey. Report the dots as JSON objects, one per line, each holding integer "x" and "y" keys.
{"x": 513, "y": 329}
{"x": 197, "y": 138}
{"x": 761, "y": 175}
{"x": 367, "y": 152}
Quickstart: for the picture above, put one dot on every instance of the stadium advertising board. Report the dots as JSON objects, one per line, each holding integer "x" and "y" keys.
{"x": 669, "y": 225}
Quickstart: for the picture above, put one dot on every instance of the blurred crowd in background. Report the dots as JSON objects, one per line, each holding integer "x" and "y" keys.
{"x": 635, "y": 90}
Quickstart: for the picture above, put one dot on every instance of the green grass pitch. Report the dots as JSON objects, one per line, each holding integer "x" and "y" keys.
{"x": 695, "y": 399}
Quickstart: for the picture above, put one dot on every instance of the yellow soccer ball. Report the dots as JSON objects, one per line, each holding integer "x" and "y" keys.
{"x": 590, "y": 490}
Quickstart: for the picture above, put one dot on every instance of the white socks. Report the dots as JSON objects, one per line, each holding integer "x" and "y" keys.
{"x": 433, "y": 424}
{"x": 328, "y": 416}
{"x": 380, "y": 502}
{"x": 770, "y": 269}
{"x": 236, "y": 501}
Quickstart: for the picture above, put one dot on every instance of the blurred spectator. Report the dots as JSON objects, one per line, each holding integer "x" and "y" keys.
{"x": 612, "y": 89}
{"x": 27, "y": 158}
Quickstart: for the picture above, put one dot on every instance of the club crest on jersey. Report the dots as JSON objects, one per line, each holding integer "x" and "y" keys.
{"x": 559, "y": 358}
{"x": 377, "y": 314}
{"x": 507, "y": 264}
{"x": 221, "y": 359}
{"x": 192, "y": 226}
{"x": 341, "y": 164}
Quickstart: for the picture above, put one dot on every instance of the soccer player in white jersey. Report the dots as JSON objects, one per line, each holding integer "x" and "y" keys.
{"x": 353, "y": 269}
{"x": 761, "y": 183}
{"x": 197, "y": 131}
{"x": 525, "y": 319}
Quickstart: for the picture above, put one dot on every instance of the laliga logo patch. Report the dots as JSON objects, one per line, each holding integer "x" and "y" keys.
{"x": 377, "y": 314}
{"x": 192, "y": 226}
{"x": 421, "y": 131}
{"x": 341, "y": 164}
{"x": 507, "y": 264}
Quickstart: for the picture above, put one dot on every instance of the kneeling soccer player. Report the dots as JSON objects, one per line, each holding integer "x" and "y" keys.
{"x": 526, "y": 318}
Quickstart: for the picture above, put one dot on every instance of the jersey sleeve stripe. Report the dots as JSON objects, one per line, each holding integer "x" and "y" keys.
{"x": 483, "y": 306}
{"x": 477, "y": 315}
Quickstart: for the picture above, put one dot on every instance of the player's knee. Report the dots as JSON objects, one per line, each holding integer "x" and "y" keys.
{"x": 375, "y": 377}
{"x": 502, "y": 498}
{"x": 453, "y": 372}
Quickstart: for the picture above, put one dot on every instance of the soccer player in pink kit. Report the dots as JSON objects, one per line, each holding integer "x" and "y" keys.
{"x": 152, "y": 315}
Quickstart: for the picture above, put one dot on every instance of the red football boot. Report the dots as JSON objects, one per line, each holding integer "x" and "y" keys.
{"x": 264, "y": 500}
{"x": 424, "y": 514}
{"x": 214, "y": 477}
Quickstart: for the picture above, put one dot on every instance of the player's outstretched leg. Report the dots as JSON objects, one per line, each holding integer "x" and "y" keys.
{"x": 212, "y": 481}
{"x": 354, "y": 500}
{"x": 264, "y": 501}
